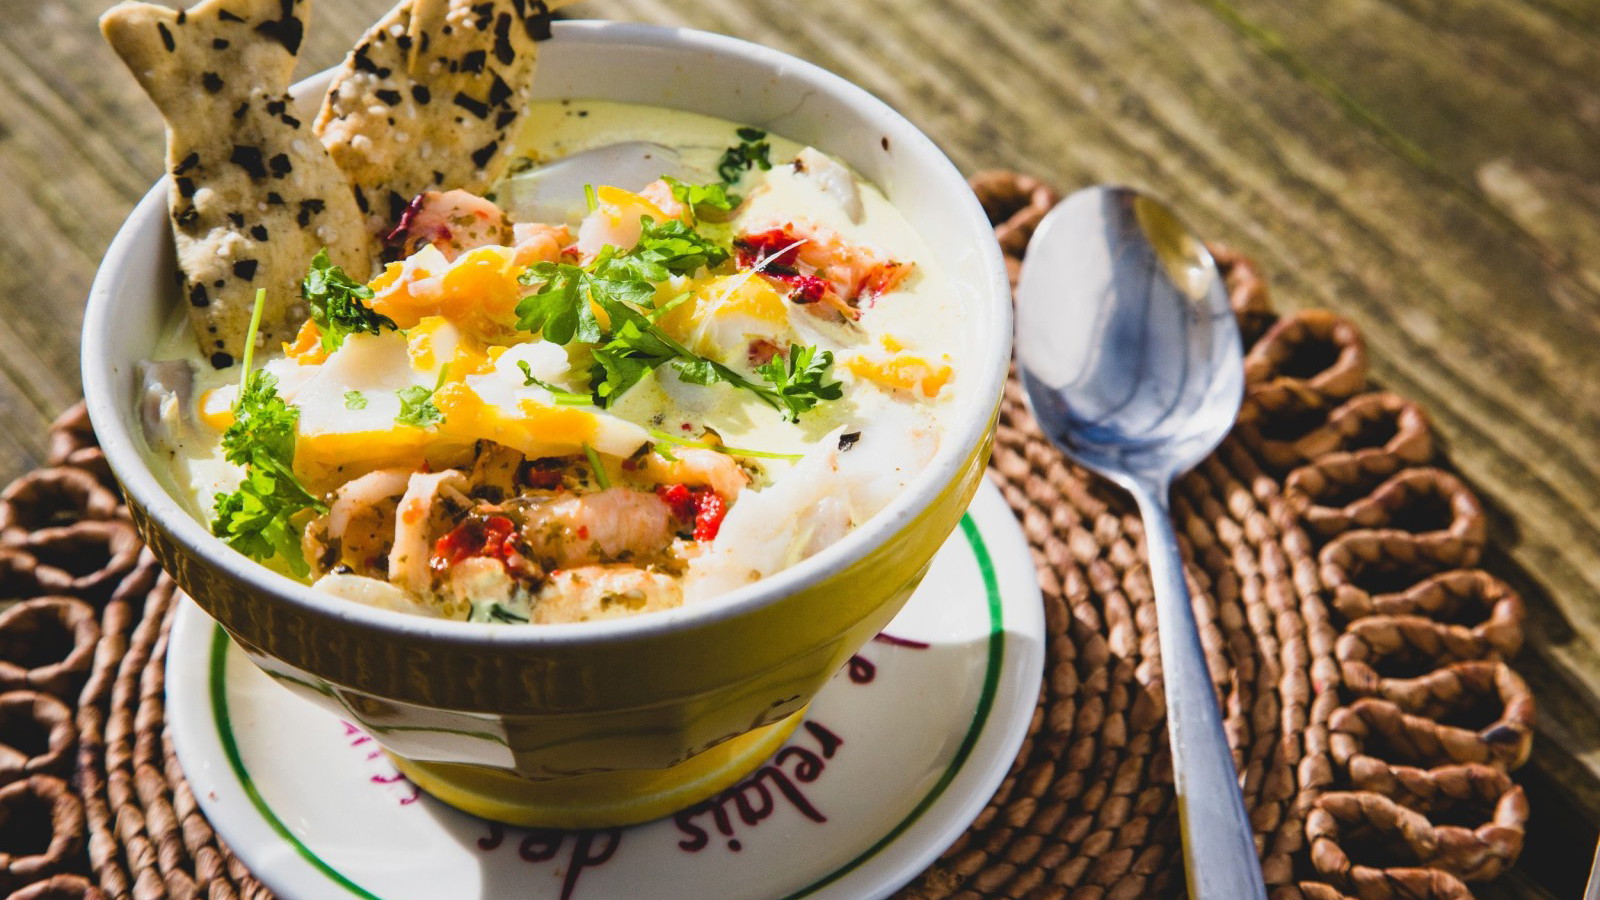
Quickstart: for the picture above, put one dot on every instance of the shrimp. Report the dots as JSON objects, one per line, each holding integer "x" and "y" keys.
{"x": 454, "y": 221}
{"x": 432, "y": 503}
{"x": 360, "y": 495}
{"x": 616, "y": 523}
{"x": 360, "y": 521}
{"x": 699, "y": 468}
{"x": 821, "y": 268}
{"x": 536, "y": 242}
{"x": 603, "y": 592}
{"x": 615, "y": 220}
{"x": 660, "y": 193}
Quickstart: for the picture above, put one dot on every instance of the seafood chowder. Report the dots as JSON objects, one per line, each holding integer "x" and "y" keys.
{"x": 558, "y": 403}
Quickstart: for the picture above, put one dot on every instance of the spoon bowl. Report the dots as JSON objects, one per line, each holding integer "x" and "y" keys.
{"x": 1131, "y": 359}
{"x": 1129, "y": 350}
{"x": 554, "y": 192}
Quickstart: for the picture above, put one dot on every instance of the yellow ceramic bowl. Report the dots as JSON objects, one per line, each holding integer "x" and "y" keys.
{"x": 603, "y": 722}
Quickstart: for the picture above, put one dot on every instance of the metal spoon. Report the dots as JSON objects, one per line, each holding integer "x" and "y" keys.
{"x": 1591, "y": 891}
{"x": 1131, "y": 360}
{"x": 554, "y": 192}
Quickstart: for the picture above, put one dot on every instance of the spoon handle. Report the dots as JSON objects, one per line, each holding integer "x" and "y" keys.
{"x": 1592, "y": 890}
{"x": 1219, "y": 850}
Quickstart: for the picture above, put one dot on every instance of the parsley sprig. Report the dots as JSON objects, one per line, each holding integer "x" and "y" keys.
{"x": 257, "y": 519}
{"x": 801, "y": 381}
{"x": 417, "y": 408}
{"x": 670, "y": 248}
{"x": 336, "y": 303}
{"x": 751, "y": 151}
{"x": 707, "y": 201}
{"x": 639, "y": 346}
{"x": 631, "y": 344}
{"x": 561, "y": 310}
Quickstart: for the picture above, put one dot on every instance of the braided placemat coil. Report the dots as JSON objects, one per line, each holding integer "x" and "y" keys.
{"x": 1360, "y": 657}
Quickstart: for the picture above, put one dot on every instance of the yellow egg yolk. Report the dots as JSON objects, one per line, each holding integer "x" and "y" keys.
{"x": 902, "y": 372}
{"x": 478, "y": 292}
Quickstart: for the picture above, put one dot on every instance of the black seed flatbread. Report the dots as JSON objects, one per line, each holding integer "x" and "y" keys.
{"x": 254, "y": 194}
{"x": 431, "y": 98}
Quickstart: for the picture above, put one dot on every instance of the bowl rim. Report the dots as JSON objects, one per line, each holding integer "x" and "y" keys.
{"x": 965, "y": 435}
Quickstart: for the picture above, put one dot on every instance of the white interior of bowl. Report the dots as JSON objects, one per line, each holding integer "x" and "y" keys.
{"x": 134, "y": 293}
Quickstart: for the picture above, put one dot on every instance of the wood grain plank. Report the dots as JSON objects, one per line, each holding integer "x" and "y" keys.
{"x": 1578, "y": 15}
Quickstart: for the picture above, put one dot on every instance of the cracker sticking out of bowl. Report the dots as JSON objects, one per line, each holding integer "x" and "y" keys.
{"x": 430, "y": 99}
{"x": 253, "y": 194}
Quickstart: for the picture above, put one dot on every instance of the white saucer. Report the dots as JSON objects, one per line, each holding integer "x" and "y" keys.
{"x": 898, "y": 754}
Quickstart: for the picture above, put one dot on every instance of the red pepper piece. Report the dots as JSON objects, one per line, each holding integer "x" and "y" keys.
{"x": 703, "y": 507}
{"x": 775, "y": 248}
{"x": 805, "y": 288}
{"x": 709, "y": 511}
{"x": 777, "y": 253}
{"x": 542, "y": 479}
{"x": 679, "y": 498}
{"x": 489, "y": 536}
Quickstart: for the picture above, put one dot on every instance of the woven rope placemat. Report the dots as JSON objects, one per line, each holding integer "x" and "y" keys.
{"x": 1359, "y": 654}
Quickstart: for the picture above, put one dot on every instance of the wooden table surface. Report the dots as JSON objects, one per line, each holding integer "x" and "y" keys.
{"x": 1430, "y": 170}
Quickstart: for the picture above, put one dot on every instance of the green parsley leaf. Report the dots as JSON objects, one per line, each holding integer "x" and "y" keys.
{"x": 623, "y": 362}
{"x": 751, "y": 151}
{"x": 639, "y": 346}
{"x": 355, "y": 400}
{"x": 801, "y": 380}
{"x": 623, "y": 286}
{"x": 256, "y": 520}
{"x": 670, "y": 248}
{"x": 617, "y": 278}
{"x": 263, "y": 424}
{"x": 709, "y": 201}
{"x": 336, "y": 303}
{"x": 560, "y": 310}
{"x": 698, "y": 371}
{"x": 417, "y": 408}
{"x": 259, "y": 518}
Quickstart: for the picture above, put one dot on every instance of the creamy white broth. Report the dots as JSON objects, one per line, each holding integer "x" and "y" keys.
{"x": 850, "y": 456}
{"x": 921, "y": 314}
